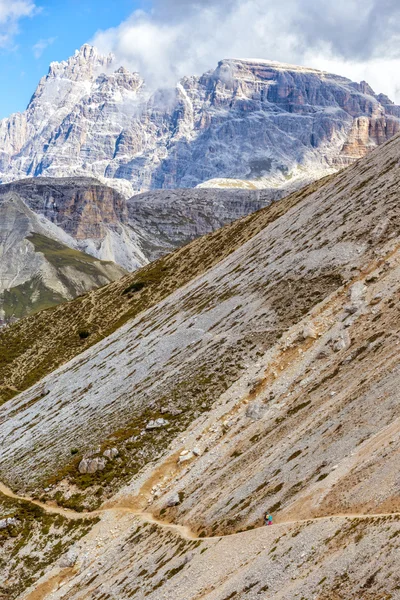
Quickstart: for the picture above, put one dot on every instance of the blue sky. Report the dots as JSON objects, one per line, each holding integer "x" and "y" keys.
{"x": 52, "y": 33}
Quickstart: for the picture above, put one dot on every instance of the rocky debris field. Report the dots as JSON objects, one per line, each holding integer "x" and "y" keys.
{"x": 267, "y": 382}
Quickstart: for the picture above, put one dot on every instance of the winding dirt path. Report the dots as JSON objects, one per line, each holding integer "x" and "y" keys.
{"x": 123, "y": 507}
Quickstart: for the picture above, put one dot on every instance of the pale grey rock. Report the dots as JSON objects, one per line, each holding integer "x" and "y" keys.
{"x": 8, "y": 522}
{"x": 111, "y": 453}
{"x": 197, "y": 452}
{"x": 83, "y": 466}
{"x": 310, "y": 331}
{"x": 358, "y": 291}
{"x": 341, "y": 341}
{"x": 255, "y": 411}
{"x": 69, "y": 559}
{"x": 186, "y": 457}
{"x": 173, "y": 501}
{"x": 91, "y": 465}
{"x": 156, "y": 424}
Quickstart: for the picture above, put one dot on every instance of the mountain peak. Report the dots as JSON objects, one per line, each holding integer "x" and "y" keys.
{"x": 86, "y": 63}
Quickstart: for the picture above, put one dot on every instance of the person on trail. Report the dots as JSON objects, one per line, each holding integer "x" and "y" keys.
{"x": 268, "y": 519}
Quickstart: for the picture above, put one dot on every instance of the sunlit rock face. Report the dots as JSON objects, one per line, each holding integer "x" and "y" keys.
{"x": 248, "y": 120}
{"x": 84, "y": 214}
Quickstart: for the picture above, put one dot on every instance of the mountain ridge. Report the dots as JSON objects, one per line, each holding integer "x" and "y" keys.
{"x": 284, "y": 123}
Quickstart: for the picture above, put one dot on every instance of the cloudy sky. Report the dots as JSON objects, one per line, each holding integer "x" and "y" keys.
{"x": 165, "y": 39}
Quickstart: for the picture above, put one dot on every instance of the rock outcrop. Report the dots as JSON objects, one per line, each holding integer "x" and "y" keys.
{"x": 248, "y": 120}
{"x": 40, "y": 264}
{"x": 94, "y": 216}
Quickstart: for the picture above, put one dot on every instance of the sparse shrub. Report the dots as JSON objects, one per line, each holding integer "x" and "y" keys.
{"x": 294, "y": 455}
{"x": 136, "y": 286}
{"x": 83, "y": 334}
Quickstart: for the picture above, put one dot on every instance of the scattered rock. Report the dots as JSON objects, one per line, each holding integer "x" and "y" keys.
{"x": 324, "y": 353}
{"x": 358, "y": 291}
{"x": 8, "y": 522}
{"x": 371, "y": 278}
{"x": 111, "y": 453}
{"x": 376, "y": 299}
{"x": 188, "y": 558}
{"x": 91, "y": 465}
{"x": 341, "y": 342}
{"x": 173, "y": 501}
{"x": 309, "y": 331}
{"x": 255, "y": 411}
{"x": 156, "y": 424}
{"x": 380, "y": 230}
{"x": 197, "y": 452}
{"x": 185, "y": 457}
{"x": 350, "y": 309}
{"x": 69, "y": 559}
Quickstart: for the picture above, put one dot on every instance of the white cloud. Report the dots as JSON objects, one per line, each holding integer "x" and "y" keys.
{"x": 357, "y": 38}
{"x": 41, "y": 46}
{"x": 11, "y": 11}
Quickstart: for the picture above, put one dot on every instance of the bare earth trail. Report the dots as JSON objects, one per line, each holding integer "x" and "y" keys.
{"x": 182, "y": 530}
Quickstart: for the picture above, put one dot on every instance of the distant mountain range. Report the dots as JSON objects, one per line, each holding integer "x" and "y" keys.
{"x": 250, "y": 123}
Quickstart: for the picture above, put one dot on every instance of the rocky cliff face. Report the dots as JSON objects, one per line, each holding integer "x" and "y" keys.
{"x": 172, "y": 218}
{"x": 94, "y": 216}
{"x": 248, "y": 120}
{"x": 40, "y": 265}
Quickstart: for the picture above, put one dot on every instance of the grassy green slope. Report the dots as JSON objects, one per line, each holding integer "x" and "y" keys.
{"x": 34, "y": 295}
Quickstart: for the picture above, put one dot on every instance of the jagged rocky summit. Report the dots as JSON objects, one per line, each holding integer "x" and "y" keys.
{"x": 252, "y": 123}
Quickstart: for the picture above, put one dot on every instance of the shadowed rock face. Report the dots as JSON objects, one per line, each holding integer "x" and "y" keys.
{"x": 172, "y": 218}
{"x": 248, "y": 120}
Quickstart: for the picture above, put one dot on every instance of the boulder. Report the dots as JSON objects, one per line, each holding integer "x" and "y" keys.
{"x": 91, "y": 465}
{"x": 185, "y": 457}
{"x": 341, "y": 342}
{"x": 309, "y": 332}
{"x": 156, "y": 424}
{"x": 173, "y": 501}
{"x": 255, "y": 411}
{"x": 357, "y": 292}
{"x": 111, "y": 453}
{"x": 8, "y": 522}
{"x": 69, "y": 559}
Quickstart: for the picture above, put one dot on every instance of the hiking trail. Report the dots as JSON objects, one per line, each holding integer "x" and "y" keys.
{"x": 182, "y": 530}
